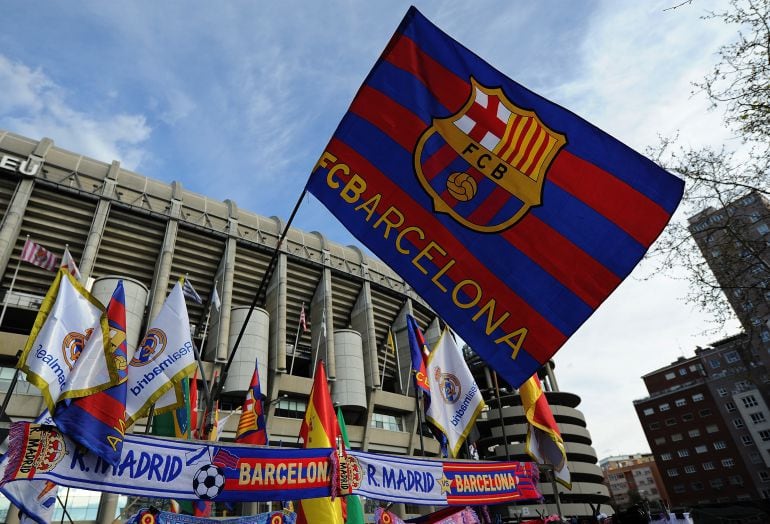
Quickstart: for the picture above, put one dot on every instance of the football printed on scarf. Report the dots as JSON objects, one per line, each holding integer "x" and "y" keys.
{"x": 208, "y": 482}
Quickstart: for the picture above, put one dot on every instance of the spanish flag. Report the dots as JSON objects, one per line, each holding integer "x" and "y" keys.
{"x": 320, "y": 430}
{"x": 544, "y": 442}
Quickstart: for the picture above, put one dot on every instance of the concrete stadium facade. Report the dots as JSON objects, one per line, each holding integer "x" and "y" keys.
{"x": 120, "y": 224}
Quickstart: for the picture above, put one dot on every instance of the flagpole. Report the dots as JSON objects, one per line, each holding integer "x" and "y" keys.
{"x": 262, "y": 285}
{"x": 294, "y": 347}
{"x": 420, "y": 403}
{"x": 384, "y": 366}
{"x": 398, "y": 365}
{"x": 10, "y": 289}
{"x": 500, "y": 413}
{"x": 11, "y": 387}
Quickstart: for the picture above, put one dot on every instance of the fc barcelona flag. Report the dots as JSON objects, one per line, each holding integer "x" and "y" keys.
{"x": 251, "y": 425}
{"x": 510, "y": 215}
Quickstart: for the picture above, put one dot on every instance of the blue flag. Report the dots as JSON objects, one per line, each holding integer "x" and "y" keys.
{"x": 511, "y": 216}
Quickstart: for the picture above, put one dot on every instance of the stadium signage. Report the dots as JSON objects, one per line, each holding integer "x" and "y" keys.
{"x": 30, "y": 166}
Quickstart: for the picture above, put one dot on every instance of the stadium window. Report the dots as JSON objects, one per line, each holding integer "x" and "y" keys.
{"x": 291, "y": 408}
{"x": 687, "y": 417}
{"x": 704, "y": 412}
{"x": 732, "y": 357}
{"x": 664, "y": 407}
{"x": 690, "y": 469}
{"x": 680, "y": 402}
{"x": 676, "y": 437}
{"x": 764, "y": 476}
{"x": 722, "y": 392}
{"x": 693, "y": 433}
{"x": 672, "y": 472}
{"x": 670, "y": 376}
{"x": 697, "y": 486}
{"x": 671, "y": 421}
{"x": 738, "y": 423}
{"x": 730, "y": 407}
{"x": 757, "y": 418}
{"x": 716, "y": 483}
{"x": 665, "y": 456}
{"x": 648, "y": 411}
{"x": 682, "y": 371}
{"x": 749, "y": 401}
{"x": 714, "y": 363}
{"x": 389, "y": 422}
{"x": 746, "y": 439}
{"x": 662, "y": 440}
{"x": 697, "y": 397}
{"x": 720, "y": 444}
{"x": 712, "y": 428}
{"x": 679, "y": 488}
{"x": 683, "y": 453}
{"x": 701, "y": 449}
{"x": 708, "y": 466}
{"x": 736, "y": 480}
{"x": 764, "y": 435}
{"x": 655, "y": 425}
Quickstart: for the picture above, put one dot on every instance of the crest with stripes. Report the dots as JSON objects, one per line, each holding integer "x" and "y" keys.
{"x": 485, "y": 165}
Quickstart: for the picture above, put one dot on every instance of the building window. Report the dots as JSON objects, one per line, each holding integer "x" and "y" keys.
{"x": 708, "y": 466}
{"x": 722, "y": 392}
{"x": 697, "y": 397}
{"x": 687, "y": 417}
{"x": 746, "y": 439}
{"x": 731, "y": 357}
{"x": 693, "y": 433}
{"x": 670, "y": 376}
{"x": 757, "y": 418}
{"x": 738, "y": 423}
{"x": 755, "y": 457}
{"x": 665, "y": 456}
{"x": 662, "y": 440}
{"x": 712, "y": 428}
{"x": 671, "y": 421}
{"x": 736, "y": 480}
{"x": 291, "y": 408}
{"x": 720, "y": 444}
{"x": 716, "y": 483}
{"x": 676, "y": 437}
{"x": 764, "y": 476}
{"x": 683, "y": 453}
{"x": 730, "y": 407}
{"x": 728, "y": 463}
{"x": 697, "y": 486}
{"x": 389, "y": 422}
{"x": 749, "y": 401}
{"x": 714, "y": 363}
{"x": 672, "y": 472}
{"x": 690, "y": 469}
{"x": 655, "y": 425}
{"x": 682, "y": 371}
{"x": 679, "y": 488}
{"x": 680, "y": 402}
{"x": 765, "y": 335}
{"x": 701, "y": 449}
{"x": 664, "y": 407}
{"x": 649, "y": 411}
{"x": 704, "y": 412}
{"x": 764, "y": 435}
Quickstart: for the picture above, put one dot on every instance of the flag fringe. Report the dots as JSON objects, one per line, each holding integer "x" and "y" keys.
{"x": 16, "y": 446}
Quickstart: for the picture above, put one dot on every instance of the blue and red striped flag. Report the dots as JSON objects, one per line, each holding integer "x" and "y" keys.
{"x": 251, "y": 425}
{"x": 510, "y": 215}
{"x": 98, "y": 421}
{"x": 420, "y": 353}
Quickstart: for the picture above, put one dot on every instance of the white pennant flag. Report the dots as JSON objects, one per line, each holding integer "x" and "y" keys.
{"x": 68, "y": 318}
{"x": 164, "y": 357}
{"x": 455, "y": 398}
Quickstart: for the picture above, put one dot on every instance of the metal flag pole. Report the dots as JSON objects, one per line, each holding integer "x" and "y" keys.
{"x": 296, "y": 341}
{"x": 398, "y": 365}
{"x": 11, "y": 387}
{"x": 500, "y": 413}
{"x": 318, "y": 344}
{"x": 420, "y": 403}
{"x": 10, "y": 289}
{"x": 262, "y": 285}
{"x": 384, "y": 365}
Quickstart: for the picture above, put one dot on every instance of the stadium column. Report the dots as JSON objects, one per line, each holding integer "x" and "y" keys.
{"x": 323, "y": 347}
{"x": 108, "y": 506}
{"x": 228, "y": 278}
{"x": 99, "y": 222}
{"x": 362, "y": 320}
{"x": 163, "y": 269}
{"x": 11, "y": 227}
{"x": 276, "y": 305}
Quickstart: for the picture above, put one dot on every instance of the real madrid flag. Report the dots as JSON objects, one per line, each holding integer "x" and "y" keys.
{"x": 163, "y": 359}
{"x": 68, "y": 320}
{"x": 455, "y": 398}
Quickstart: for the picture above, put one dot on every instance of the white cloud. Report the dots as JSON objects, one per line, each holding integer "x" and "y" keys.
{"x": 37, "y": 107}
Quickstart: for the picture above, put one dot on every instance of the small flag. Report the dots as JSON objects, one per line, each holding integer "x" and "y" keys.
{"x": 544, "y": 442}
{"x": 68, "y": 263}
{"x": 391, "y": 343}
{"x": 39, "y": 256}
{"x": 251, "y": 425}
{"x": 189, "y": 291}
{"x": 320, "y": 429}
{"x": 420, "y": 352}
{"x": 457, "y": 400}
{"x": 302, "y": 320}
{"x": 215, "y": 299}
{"x": 176, "y": 422}
{"x": 167, "y": 348}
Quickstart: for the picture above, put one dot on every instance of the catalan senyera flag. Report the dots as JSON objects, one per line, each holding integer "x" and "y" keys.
{"x": 251, "y": 425}
{"x": 544, "y": 442}
{"x": 320, "y": 429}
{"x": 456, "y": 400}
{"x": 98, "y": 421}
{"x": 70, "y": 318}
{"x": 39, "y": 256}
{"x": 511, "y": 216}
{"x": 162, "y": 359}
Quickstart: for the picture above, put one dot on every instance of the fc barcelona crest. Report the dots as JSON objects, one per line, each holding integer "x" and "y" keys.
{"x": 485, "y": 165}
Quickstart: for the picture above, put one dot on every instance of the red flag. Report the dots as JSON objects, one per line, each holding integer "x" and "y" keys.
{"x": 544, "y": 442}
{"x": 302, "y": 320}
{"x": 320, "y": 429}
{"x": 39, "y": 256}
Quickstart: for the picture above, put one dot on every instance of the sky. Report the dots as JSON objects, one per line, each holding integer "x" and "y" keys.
{"x": 236, "y": 100}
